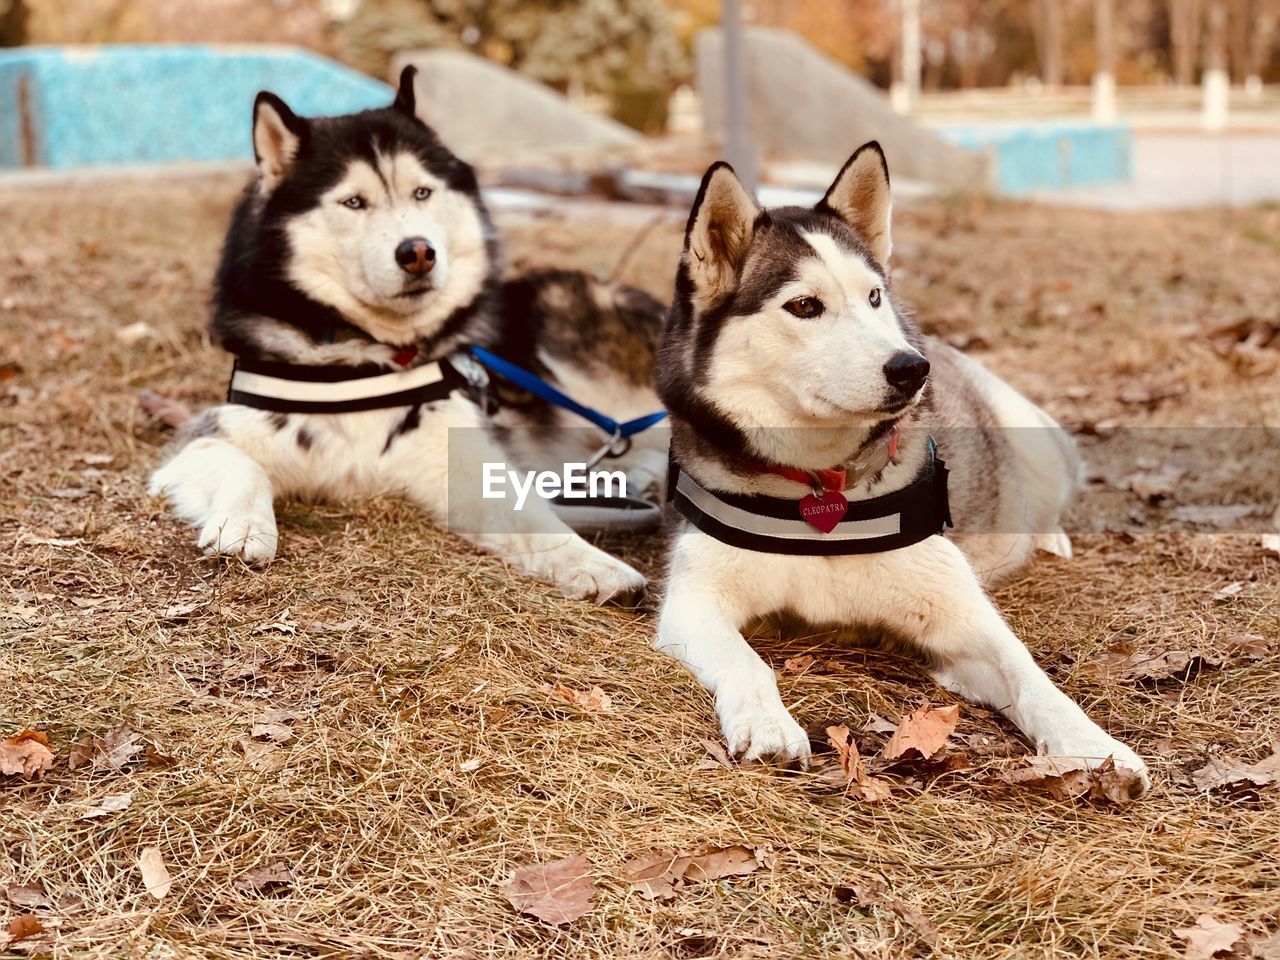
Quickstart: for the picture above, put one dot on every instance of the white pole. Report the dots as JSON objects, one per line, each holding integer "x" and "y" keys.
{"x": 737, "y": 148}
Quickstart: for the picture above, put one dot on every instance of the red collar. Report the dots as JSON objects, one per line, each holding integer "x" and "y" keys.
{"x": 837, "y": 478}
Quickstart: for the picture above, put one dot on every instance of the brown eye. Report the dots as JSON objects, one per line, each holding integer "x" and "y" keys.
{"x": 874, "y": 298}
{"x": 806, "y": 308}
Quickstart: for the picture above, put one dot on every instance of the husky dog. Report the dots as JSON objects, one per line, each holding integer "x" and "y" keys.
{"x": 788, "y": 366}
{"x": 362, "y": 248}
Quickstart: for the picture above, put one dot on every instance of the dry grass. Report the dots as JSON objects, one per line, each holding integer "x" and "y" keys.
{"x": 405, "y": 655}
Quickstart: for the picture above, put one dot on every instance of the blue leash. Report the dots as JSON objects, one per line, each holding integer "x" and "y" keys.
{"x": 525, "y": 380}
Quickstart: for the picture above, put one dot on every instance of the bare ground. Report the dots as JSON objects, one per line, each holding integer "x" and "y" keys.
{"x": 424, "y": 759}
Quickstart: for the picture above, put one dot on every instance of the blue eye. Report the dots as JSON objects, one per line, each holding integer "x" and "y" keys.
{"x": 354, "y": 203}
{"x": 874, "y": 298}
{"x": 422, "y": 193}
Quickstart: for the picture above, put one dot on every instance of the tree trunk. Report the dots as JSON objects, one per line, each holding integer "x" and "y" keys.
{"x": 1184, "y": 38}
{"x": 1049, "y": 41}
{"x": 1104, "y": 73}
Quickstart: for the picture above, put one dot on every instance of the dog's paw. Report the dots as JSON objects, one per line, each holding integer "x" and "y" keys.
{"x": 581, "y": 572}
{"x": 758, "y": 727}
{"x": 1093, "y": 751}
{"x": 251, "y": 536}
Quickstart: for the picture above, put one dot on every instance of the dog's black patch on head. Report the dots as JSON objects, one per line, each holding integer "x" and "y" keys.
{"x": 304, "y": 438}
{"x": 410, "y": 423}
{"x": 278, "y": 420}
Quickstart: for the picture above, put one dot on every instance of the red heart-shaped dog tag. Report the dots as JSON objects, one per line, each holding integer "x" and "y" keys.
{"x": 825, "y": 511}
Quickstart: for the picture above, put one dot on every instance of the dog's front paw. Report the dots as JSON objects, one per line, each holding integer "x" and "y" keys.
{"x": 581, "y": 572}
{"x": 251, "y": 536}
{"x": 1094, "y": 750}
{"x": 758, "y": 727}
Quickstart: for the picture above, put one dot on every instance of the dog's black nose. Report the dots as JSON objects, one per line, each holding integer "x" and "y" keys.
{"x": 416, "y": 256}
{"x": 906, "y": 371}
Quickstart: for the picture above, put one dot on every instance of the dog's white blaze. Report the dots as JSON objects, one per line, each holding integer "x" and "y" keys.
{"x": 855, "y": 280}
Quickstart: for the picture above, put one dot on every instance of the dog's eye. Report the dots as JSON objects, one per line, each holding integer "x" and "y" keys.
{"x": 806, "y": 308}
{"x": 354, "y": 203}
{"x": 874, "y": 298}
{"x": 422, "y": 193}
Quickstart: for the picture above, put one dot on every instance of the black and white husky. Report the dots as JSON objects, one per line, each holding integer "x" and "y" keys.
{"x": 807, "y": 481}
{"x": 359, "y": 261}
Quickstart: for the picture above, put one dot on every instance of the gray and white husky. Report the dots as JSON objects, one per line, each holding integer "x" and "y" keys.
{"x": 362, "y": 246}
{"x": 786, "y": 356}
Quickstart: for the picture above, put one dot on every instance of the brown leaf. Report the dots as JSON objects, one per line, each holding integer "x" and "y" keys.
{"x": 661, "y": 875}
{"x": 717, "y": 756}
{"x": 1065, "y": 778}
{"x": 1226, "y": 772}
{"x": 878, "y": 724}
{"x": 595, "y": 700}
{"x": 24, "y": 925}
{"x": 1268, "y": 949}
{"x": 274, "y": 724}
{"x": 1229, "y": 591}
{"x": 558, "y": 892}
{"x": 116, "y": 803}
{"x": 1150, "y": 665}
{"x": 26, "y": 895}
{"x": 266, "y": 757}
{"x": 858, "y": 783}
{"x": 25, "y": 755}
{"x": 797, "y": 664}
{"x": 1209, "y": 937}
{"x": 264, "y": 879}
{"x": 114, "y": 752}
{"x": 868, "y": 892}
{"x": 925, "y": 732}
{"x": 155, "y": 876}
{"x": 174, "y": 413}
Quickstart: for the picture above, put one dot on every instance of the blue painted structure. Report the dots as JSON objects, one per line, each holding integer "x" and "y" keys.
{"x": 63, "y": 107}
{"x": 1054, "y": 155}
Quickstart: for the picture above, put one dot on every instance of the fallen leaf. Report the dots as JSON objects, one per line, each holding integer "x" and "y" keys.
{"x": 24, "y": 925}
{"x": 1227, "y": 592}
{"x": 797, "y": 664}
{"x": 868, "y": 892}
{"x": 595, "y": 700}
{"x": 155, "y": 877}
{"x": 116, "y": 803}
{"x": 266, "y": 878}
{"x": 878, "y": 724}
{"x": 925, "y": 732}
{"x": 174, "y": 413}
{"x": 274, "y": 724}
{"x": 26, "y": 895}
{"x": 557, "y": 892}
{"x": 1227, "y": 772}
{"x": 1209, "y": 937}
{"x": 265, "y": 757}
{"x": 660, "y": 875}
{"x": 1065, "y": 778}
{"x": 182, "y": 611}
{"x": 25, "y": 755}
{"x": 115, "y": 751}
{"x": 1268, "y": 949}
{"x": 717, "y": 756}
{"x": 858, "y": 783}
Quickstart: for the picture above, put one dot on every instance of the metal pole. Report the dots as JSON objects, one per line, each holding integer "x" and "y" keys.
{"x": 738, "y": 149}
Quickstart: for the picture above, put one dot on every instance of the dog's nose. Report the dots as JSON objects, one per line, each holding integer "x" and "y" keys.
{"x": 416, "y": 256}
{"x": 906, "y": 371}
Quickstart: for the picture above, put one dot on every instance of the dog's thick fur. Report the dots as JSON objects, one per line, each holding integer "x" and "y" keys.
{"x": 311, "y": 275}
{"x": 750, "y": 368}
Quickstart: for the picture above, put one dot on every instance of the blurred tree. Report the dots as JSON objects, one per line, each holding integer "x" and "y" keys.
{"x": 13, "y": 23}
{"x": 1184, "y": 38}
{"x": 625, "y": 50}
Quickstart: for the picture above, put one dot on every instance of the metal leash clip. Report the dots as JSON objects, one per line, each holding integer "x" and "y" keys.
{"x": 477, "y": 378}
{"x": 616, "y": 446}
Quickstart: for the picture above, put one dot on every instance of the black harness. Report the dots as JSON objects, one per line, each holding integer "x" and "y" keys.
{"x": 775, "y": 525}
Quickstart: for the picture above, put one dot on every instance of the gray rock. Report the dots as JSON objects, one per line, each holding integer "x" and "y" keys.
{"x": 803, "y": 105}
{"x": 488, "y": 113}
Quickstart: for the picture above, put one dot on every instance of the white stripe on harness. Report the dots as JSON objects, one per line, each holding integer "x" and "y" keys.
{"x": 261, "y": 385}
{"x": 797, "y": 529}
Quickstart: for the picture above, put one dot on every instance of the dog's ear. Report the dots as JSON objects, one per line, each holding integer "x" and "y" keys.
{"x": 860, "y": 196}
{"x": 407, "y": 96}
{"x": 721, "y": 226}
{"x": 278, "y": 136}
